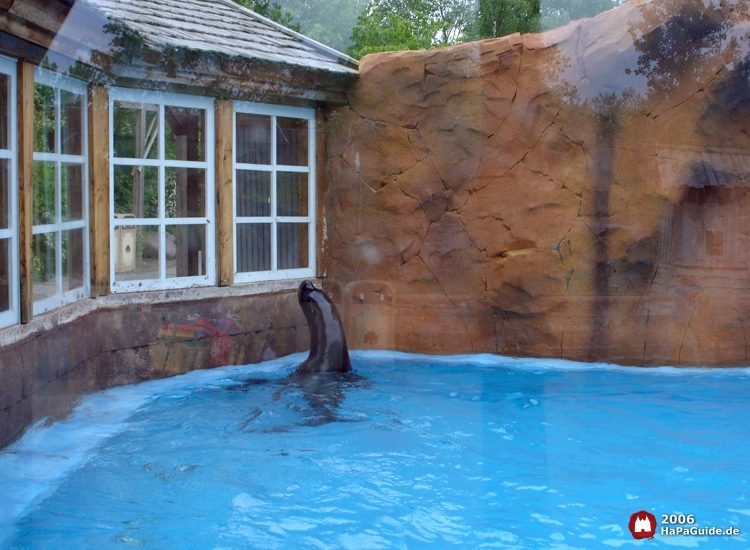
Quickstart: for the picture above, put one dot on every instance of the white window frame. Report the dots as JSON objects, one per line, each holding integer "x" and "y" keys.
{"x": 162, "y": 99}
{"x": 11, "y": 316}
{"x": 59, "y": 82}
{"x": 275, "y": 111}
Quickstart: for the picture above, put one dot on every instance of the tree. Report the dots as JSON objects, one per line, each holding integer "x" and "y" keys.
{"x": 503, "y": 17}
{"x": 327, "y": 21}
{"x": 388, "y": 25}
{"x": 273, "y": 11}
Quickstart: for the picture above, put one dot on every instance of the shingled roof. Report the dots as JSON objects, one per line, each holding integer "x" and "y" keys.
{"x": 221, "y": 27}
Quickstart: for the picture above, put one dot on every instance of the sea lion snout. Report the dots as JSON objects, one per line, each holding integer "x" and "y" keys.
{"x": 306, "y": 289}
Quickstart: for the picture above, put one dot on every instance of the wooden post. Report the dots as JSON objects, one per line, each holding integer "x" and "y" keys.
{"x": 25, "y": 189}
{"x": 224, "y": 191}
{"x": 99, "y": 209}
{"x": 319, "y": 208}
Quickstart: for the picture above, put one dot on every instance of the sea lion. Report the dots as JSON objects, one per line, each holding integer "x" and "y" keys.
{"x": 328, "y": 351}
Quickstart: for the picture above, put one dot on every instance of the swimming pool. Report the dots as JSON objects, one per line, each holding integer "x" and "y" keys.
{"x": 415, "y": 451}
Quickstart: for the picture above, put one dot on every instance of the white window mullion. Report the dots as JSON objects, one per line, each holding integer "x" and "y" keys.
{"x": 162, "y": 196}
{"x": 11, "y": 316}
{"x": 58, "y": 262}
{"x": 164, "y": 278}
{"x": 57, "y": 229}
{"x": 274, "y": 210}
{"x": 58, "y": 193}
{"x": 278, "y": 268}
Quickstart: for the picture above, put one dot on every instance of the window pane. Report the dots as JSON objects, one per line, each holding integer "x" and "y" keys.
{"x": 186, "y": 250}
{"x": 253, "y": 247}
{"x": 185, "y": 193}
{"x": 293, "y": 246}
{"x": 5, "y": 275}
{"x": 136, "y": 130}
{"x": 71, "y": 123}
{"x": 136, "y": 252}
{"x": 291, "y": 141}
{"x": 4, "y": 110}
{"x": 44, "y": 119}
{"x": 253, "y": 193}
{"x": 185, "y": 133}
{"x": 253, "y": 139}
{"x": 43, "y": 265}
{"x": 5, "y": 206}
{"x": 72, "y": 192}
{"x": 73, "y": 259}
{"x": 291, "y": 194}
{"x": 137, "y": 191}
{"x": 44, "y": 193}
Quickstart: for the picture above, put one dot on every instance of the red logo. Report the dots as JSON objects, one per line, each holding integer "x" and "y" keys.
{"x": 642, "y": 525}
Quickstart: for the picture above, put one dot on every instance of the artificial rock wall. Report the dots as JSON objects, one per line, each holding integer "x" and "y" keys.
{"x": 582, "y": 193}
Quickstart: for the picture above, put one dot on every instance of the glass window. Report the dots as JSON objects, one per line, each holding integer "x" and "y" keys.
{"x": 162, "y": 186}
{"x": 8, "y": 197}
{"x": 60, "y": 192}
{"x": 274, "y": 192}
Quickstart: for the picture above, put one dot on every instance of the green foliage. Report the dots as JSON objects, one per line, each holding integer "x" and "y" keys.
{"x": 503, "y": 17}
{"x": 385, "y": 25}
{"x": 273, "y": 11}
{"x": 388, "y": 25}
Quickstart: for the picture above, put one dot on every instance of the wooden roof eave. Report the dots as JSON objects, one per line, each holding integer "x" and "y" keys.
{"x": 219, "y": 75}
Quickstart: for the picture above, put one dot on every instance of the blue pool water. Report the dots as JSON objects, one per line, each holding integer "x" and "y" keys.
{"x": 415, "y": 452}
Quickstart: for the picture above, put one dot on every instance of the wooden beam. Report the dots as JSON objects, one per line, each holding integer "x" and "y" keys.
{"x": 28, "y": 31}
{"x": 99, "y": 214}
{"x": 48, "y": 14}
{"x": 25, "y": 186}
{"x": 224, "y": 191}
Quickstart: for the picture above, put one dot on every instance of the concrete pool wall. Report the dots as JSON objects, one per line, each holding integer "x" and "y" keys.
{"x": 116, "y": 340}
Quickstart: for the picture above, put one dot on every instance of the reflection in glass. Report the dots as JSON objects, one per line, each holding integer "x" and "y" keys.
{"x": 253, "y": 139}
{"x": 44, "y": 119}
{"x": 71, "y": 123}
{"x": 253, "y": 193}
{"x": 136, "y": 190}
{"x": 253, "y": 247}
{"x": 137, "y": 252}
{"x": 43, "y": 265}
{"x": 291, "y": 194}
{"x": 72, "y": 192}
{"x": 293, "y": 245}
{"x": 186, "y": 250}
{"x": 185, "y": 192}
{"x": 291, "y": 141}
{"x": 44, "y": 193}
{"x": 73, "y": 259}
{"x": 5, "y": 275}
{"x": 185, "y": 133}
{"x": 136, "y": 130}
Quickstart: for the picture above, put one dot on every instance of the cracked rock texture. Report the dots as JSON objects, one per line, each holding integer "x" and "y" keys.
{"x": 582, "y": 193}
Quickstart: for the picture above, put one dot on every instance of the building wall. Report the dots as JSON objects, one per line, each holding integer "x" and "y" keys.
{"x": 113, "y": 341}
{"x": 581, "y": 193}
